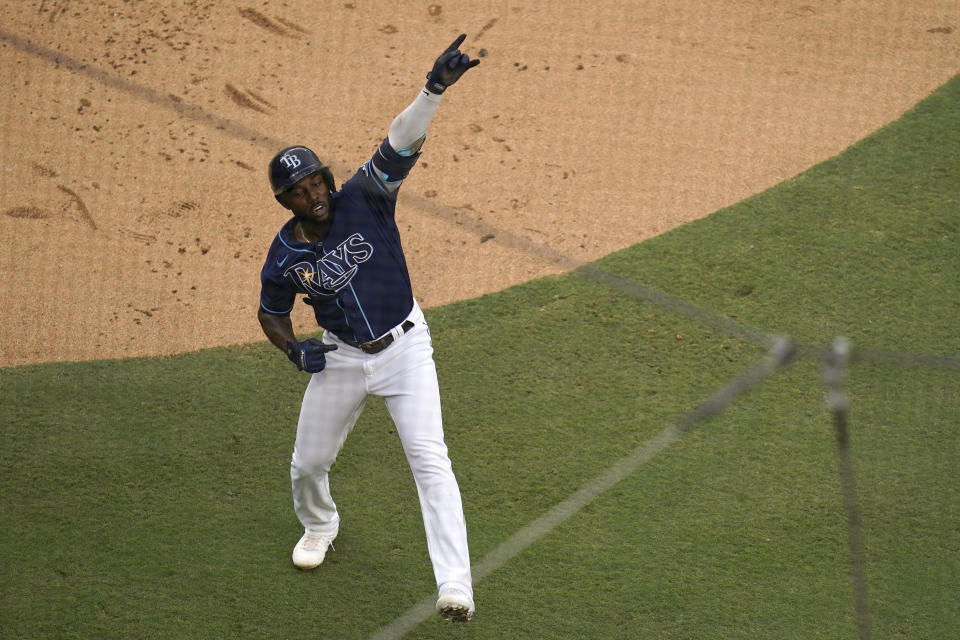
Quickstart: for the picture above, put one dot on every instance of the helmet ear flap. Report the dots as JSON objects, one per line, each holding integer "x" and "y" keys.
{"x": 328, "y": 178}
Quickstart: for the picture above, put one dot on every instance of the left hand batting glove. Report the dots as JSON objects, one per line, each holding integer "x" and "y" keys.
{"x": 308, "y": 355}
{"x": 449, "y": 67}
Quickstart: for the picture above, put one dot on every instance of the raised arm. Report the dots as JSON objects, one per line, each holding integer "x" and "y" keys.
{"x": 409, "y": 129}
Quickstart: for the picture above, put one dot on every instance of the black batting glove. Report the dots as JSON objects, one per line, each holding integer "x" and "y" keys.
{"x": 449, "y": 67}
{"x": 308, "y": 355}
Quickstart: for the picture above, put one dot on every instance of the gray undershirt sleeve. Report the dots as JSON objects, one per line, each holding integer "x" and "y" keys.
{"x": 408, "y": 130}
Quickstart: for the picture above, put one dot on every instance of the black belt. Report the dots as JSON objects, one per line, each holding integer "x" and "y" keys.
{"x": 376, "y": 346}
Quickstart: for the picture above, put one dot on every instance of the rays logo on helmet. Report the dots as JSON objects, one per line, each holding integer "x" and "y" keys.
{"x": 290, "y": 161}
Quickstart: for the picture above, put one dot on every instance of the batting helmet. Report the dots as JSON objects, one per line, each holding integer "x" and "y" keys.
{"x": 293, "y": 164}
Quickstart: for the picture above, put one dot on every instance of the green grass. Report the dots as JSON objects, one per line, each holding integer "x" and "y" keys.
{"x": 149, "y": 498}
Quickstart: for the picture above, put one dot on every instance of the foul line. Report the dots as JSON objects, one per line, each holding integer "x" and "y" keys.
{"x": 780, "y": 354}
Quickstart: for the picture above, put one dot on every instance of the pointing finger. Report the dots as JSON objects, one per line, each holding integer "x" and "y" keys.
{"x": 457, "y": 42}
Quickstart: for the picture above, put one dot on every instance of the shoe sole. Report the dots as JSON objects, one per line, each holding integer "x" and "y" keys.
{"x": 310, "y": 566}
{"x": 456, "y": 614}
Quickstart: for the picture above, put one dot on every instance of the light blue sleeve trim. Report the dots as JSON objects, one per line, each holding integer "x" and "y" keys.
{"x": 380, "y": 179}
{"x": 390, "y": 185}
{"x": 276, "y": 313}
{"x": 412, "y": 149}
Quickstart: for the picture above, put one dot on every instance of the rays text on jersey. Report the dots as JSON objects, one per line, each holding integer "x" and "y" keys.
{"x": 334, "y": 270}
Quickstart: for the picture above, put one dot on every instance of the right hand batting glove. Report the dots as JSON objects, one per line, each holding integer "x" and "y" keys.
{"x": 308, "y": 355}
{"x": 449, "y": 67}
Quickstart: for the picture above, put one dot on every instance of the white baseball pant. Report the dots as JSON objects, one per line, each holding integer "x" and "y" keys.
{"x": 405, "y": 375}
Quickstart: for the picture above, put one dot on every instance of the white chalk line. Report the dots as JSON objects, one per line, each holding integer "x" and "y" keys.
{"x": 780, "y": 354}
{"x": 537, "y": 529}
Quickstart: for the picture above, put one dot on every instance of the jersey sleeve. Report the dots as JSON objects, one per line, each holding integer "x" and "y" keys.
{"x": 275, "y": 297}
{"x": 389, "y": 167}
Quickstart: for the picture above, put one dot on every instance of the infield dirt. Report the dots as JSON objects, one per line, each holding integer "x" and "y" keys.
{"x": 135, "y": 210}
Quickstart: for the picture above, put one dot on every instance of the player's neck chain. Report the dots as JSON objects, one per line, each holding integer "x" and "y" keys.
{"x": 300, "y": 234}
{"x": 311, "y": 232}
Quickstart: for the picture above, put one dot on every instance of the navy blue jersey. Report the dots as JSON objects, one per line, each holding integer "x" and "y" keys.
{"x": 356, "y": 277}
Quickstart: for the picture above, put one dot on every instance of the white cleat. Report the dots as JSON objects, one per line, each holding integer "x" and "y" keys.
{"x": 311, "y": 550}
{"x": 455, "y": 604}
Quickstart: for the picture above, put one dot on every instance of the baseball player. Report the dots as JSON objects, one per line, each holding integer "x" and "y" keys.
{"x": 341, "y": 249}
